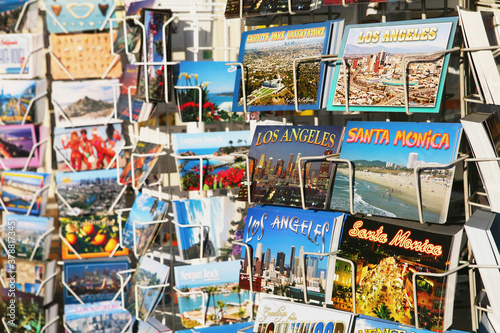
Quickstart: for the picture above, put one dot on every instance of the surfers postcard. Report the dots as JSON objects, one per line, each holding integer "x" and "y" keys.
{"x": 374, "y": 54}
{"x": 386, "y": 155}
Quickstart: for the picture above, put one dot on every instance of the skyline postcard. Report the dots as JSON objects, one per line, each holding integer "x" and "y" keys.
{"x": 144, "y": 209}
{"x": 267, "y": 56}
{"x": 214, "y": 214}
{"x": 216, "y": 81}
{"x": 274, "y": 163}
{"x": 220, "y": 169}
{"x": 89, "y": 147}
{"x": 278, "y": 237}
{"x": 107, "y": 314}
{"x": 84, "y": 103}
{"x": 374, "y": 53}
{"x": 386, "y": 155}
{"x": 214, "y": 294}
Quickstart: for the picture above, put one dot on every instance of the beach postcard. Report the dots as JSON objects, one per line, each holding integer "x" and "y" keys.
{"x": 149, "y": 272}
{"x": 18, "y": 190}
{"x": 27, "y": 230}
{"x": 216, "y": 81}
{"x": 268, "y": 55}
{"x": 16, "y": 143}
{"x": 89, "y": 147}
{"x": 385, "y": 155}
{"x": 88, "y": 192}
{"x": 214, "y": 294}
{"x": 213, "y": 215}
{"x": 153, "y": 20}
{"x": 96, "y": 317}
{"x": 278, "y": 237}
{"x": 84, "y": 103}
{"x": 385, "y": 264}
{"x": 144, "y": 209}
{"x": 93, "y": 281}
{"x": 220, "y": 169}
{"x": 274, "y": 156}
{"x": 374, "y": 54}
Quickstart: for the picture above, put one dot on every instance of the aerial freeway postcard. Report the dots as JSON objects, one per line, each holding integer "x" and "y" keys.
{"x": 268, "y": 58}
{"x": 374, "y": 54}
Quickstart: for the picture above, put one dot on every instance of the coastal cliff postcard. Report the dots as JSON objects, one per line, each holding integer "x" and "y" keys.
{"x": 386, "y": 254}
{"x": 278, "y": 236}
{"x": 83, "y": 103}
{"x": 220, "y": 169}
{"x": 274, "y": 164}
{"x": 268, "y": 55}
{"x": 374, "y": 54}
{"x": 385, "y": 155}
{"x": 214, "y": 295}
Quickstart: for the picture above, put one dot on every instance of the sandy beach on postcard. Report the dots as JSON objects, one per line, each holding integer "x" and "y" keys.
{"x": 401, "y": 186}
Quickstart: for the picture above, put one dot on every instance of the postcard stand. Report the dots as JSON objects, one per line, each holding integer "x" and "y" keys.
{"x": 25, "y": 62}
{"x": 336, "y": 257}
{"x": 404, "y": 69}
{"x": 204, "y": 300}
{"x": 200, "y": 102}
{"x": 26, "y": 5}
{"x": 483, "y": 194}
{"x": 37, "y": 244}
{"x": 243, "y": 88}
{"x": 32, "y": 152}
{"x": 417, "y": 181}
{"x": 414, "y": 281}
{"x": 250, "y": 275}
{"x": 322, "y": 58}
{"x": 476, "y": 309}
{"x": 201, "y": 226}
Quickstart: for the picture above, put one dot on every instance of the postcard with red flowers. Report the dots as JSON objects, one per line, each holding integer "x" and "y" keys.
{"x": 210, "y": 152}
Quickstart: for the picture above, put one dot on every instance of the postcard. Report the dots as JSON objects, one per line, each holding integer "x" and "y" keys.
{"x": 375, "y": 53}
{"x": 91, "y": 236}
{"x": 216, "y": 81}
{"x": 16, "y": 97}
{"x": 386, "y": 155}
{"x": 83, "y": 56}
{"x": 274, "y": 182}
{"x": 153, "y": 20}
{"x": 83, "y": 103}
{"x": 89, "y": 148}
{"x": 213, "y": 215}
{"x": 88, "y": 192}
{"x": 143, "y": 164}
{"x": 109, "y": 314}
{"x": 129, "y": 79}
{"x": 30, "y": 275}
{"x": 18, "y": 190}
{"x": 144, "y": 210}
{"x": 16, "y": 143}
{"x": 268, "y": 56}
{"x": 220, "y": 169}
{"x": 149, "y": 272}
{"x": 216, "y": 283}
{"x": 92, "y": 280}
{"x": 19, "y": 58}
{"x": 29, "y": 313}
{"x": 68, "y": 16}
{"x": 10, "y": 11}
{"x": 24, "y": 232}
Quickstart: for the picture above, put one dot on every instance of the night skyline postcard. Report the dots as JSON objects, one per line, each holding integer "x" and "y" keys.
{"x": 267, "y": 56}
{"x": 386, "y": 155}
{"x": 374, "y": 53}
{"x": 221, "y": 170}
{"x": 144, "y": 209}
{"x": 271, "y": 231}
{"x": 214, "y": 294}
{"x": 84, "y": 103}
{"x": 274, "y": 155}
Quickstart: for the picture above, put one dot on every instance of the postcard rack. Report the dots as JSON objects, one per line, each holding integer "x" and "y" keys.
{"x": 37, "y": 243}
{"x": 194, "y": 293}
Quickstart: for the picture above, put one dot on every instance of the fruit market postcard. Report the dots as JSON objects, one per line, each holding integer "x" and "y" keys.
{"x": 213, "y": 293}
{"x": 144, "y": 210}
{"x": 386, "y": 155}
{"x": 268, "y": 57}
{"x": 89, "y": 147}
{"x": 220, "y": 169}
{"x": 93, "y": 280}
{"x": 374, "y": 54}
{"x": 91, "y": 236}
{"x": 84, "y": 103}
{"x": 88, "y": 192}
